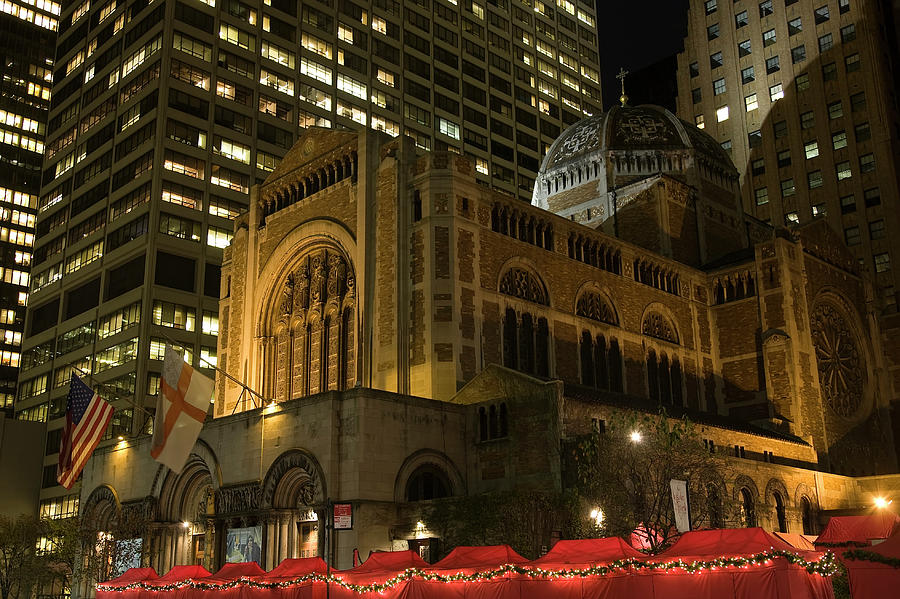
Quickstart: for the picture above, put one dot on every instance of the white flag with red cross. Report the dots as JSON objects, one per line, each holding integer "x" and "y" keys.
{"x": 184, "y": 397}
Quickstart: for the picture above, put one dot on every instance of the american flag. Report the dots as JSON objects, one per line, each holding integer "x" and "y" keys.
{"x": 87, "y": 417}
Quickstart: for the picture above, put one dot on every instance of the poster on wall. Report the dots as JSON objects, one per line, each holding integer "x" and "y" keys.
{"x": 243, "y": 545}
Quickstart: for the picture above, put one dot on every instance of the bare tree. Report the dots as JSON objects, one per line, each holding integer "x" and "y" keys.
{"x": 22, "y": 565}
{"x": 625, "y": 472}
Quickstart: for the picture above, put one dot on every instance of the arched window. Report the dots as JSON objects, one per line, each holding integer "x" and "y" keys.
{"x": 714, "y": 506}
{"x": 602, "y": 362}
{"x": 542, "y": 354}
{"x": 806, "y": 516}
{"x": 510, "y": 339}
{"x": 748, "y": 509}
{"x": 492, "y": 422}
{"x": 504, "y": 421}
{"x": 665, "y": 386}
{"x": 677, "y": 395}
{"x": 615, "y": 367}
{"x": 652, "y": 375}
{"x": 427, "y": 482}
{"x": 587, "y": 359}
{"x": 526, "y": 344}
{"x": 779, "y": 512}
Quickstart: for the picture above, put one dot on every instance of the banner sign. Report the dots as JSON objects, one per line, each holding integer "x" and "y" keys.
{"x": 680, "y": 503}
{"x": 343, "y": 516}
{"x": 243, "y": 545}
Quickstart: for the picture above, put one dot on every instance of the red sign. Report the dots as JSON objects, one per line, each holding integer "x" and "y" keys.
{"x": 343, "y": 516}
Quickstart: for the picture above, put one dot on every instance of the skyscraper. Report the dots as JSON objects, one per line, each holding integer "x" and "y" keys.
{"x": 801, "y": 93}
{"x": 166, "y": 112}
{"x": 27, "y": 37}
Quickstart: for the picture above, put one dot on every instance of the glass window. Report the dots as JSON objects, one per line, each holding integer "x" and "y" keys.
{"x": 762, "y": 196}
{"x": 801, "y": 82}
{"x": 787, "y": 188}
{"x": 839, "y": 140}
{"x": 694, "y": 69}
{"x": 741, "y": 19}
{"x": 858, "y": 102}
{"x": 784, "y": 158}
{"x": 712, "y": 32}
{"x": 769, "y": 37}
{"x": 814, "y": 179}
{"x": 696, "y": 95}
{"x": 848, "y": 204}
{"x": 772, "y": 65}
{"x": 750, "y": 102}
{"x": 819, "y": 210}
{"x": 795, "y": 26}
{"x": 862, "y": 132}
{"x": 758, "y": 167}
{"x": 835, "y": 110}
{"x": 872, "y": 197}
{"x": 843, "y": 6}
{"x": 876, "y": 229}
{"x": 791, "y": 218}
{"x": 744, "y": 48}
{"x": 747, "y": 75}
{"x": 722, "y": 114}
{"x": 765, "y": 8}
{"x": 711, "y": 6}
{"x": 842, "y": 169}
{"x": 851, "y": 63}
{"x": 829, "y": 72}
{"x": 826, "y": 42}
{"x": 776, "y": 92}
{"x": 822, "y": 14}
{"x": 798, "y": 54}
{"x": 807, "y": 120}
{"x": 882, "y": 262}
{"x": 715, "y": 60}
{"x": 719, "y": 86}
{"x": 867, "y": 163}
{"x": 698, "y": 121}
{"x": 811, "y": 149}
{"x": 851, "y": 235}
{"x": 848, "y": 33}
{"x": 754, "y": 138}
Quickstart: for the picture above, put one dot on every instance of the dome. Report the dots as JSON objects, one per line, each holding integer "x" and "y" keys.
{"x": 648, "y": 130}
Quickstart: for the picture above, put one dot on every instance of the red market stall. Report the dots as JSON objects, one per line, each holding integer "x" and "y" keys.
{"x": 222, "y": 584}
{"x": 380, "y": 568}
{"x": 165, "y": 586}
{"x": 465, "y": 562}
{"x": 857, "y": 531}
{"x": 744, "y": 563}
{"x": 292, "y": 579}
{"x": 874, "y": 571}
{"x": 131, "y": 576}
{"x": 586, "y": 554}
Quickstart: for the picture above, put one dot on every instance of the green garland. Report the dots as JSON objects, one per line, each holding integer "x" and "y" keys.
{"x": 871, "y": 556}
{"x": 843, "y": 544}
{"x": 826, "y": 566}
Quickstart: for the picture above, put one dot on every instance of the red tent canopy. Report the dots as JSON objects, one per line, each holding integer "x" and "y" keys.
{"x": 232, "y": 571}
{"x": 179, "y": 573}
{"x": 226, "y": 574}
{"x": 586, "y": 552}
{"x": 381, "y": 566}
{"x": 288, "y": 570}
{"x": 871, "y": 579}
{"x": 858, "y": 530}
{"x": 724, "y": 542}
{"x": 777, "y": 579}
{"x": 295, "y": 567}
{"x": 130, "y": 576}
{"x": 474, "y": 559}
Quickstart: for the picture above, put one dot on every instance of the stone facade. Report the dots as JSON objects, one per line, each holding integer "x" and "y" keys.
{"x": 387, "y": 309}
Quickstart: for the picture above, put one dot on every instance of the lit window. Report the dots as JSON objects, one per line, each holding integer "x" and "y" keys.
{"x": 776, "y": 92}
{"x": 698, "y": 121}
{"x": 719, "y": 87}
{"x": 762, "y": 196}
{"x": 839, "y": 140}
{"x": 811, "y": 149}
{"x": 722, "y": 114}
{"x": 448, "y": 128}
{"x": 882, "y": 262}
{"x": 750, "y": 102}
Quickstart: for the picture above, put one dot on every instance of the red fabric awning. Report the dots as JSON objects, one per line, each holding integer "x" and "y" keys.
{"x": 797, "y": 540}
{"x": 133, "y": 575}
{"x": 471, "y": 559}
{"x": 858, "y": 530}
{"x": 179, "y": 573}
{"x": 586, "y": 552}
{"x": 871, "y": 579}
{"x": 232, "y": 571}
{"x": 725, "y": 542}
{"x": 295, "y": 567}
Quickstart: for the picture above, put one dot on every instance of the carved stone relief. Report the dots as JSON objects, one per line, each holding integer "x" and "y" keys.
{"x": 658, "y": 326}
{"x": 594, "y": 306}
{"x": 520, "y": 283}
{"x": 839, "y": 360}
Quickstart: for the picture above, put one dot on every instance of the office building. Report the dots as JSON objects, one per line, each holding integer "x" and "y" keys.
{"x": 165, "y": 113}
{"x": 27, "y": 38}
{"x": 801, "y": 93}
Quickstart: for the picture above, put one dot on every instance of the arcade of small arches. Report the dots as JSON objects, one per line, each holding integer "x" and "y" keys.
{"x": 733, "y": 287}
{"x": 775, "y": 505}
{"x": 595, "y": 253}
{"x": 573, "y": 176}
{"x": 521, "y": 225}
{"x": 648, "y": 162}
{"x": 334, "y": 171}
{"x": 651, "y": 274}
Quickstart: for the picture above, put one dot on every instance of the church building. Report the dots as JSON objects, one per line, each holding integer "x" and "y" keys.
{"x": 414, "y": 334}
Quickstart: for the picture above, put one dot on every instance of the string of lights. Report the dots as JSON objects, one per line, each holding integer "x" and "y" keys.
{"x": 826, "y": 566}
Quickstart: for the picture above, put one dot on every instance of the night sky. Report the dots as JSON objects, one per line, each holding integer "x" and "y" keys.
{"x": 634, "y": 34}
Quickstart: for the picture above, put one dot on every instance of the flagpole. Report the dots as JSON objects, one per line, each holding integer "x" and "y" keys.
{"x": 95, "y": 382}
{"x": 245, "y": 387}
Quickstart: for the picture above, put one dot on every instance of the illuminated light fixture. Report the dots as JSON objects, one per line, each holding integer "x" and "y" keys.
{"x": 186, "y": 524}
{"x": 121, "y": 438}
{"x": 597, "y": 516}
{"x": 635, "y": 436}
{"x": 882, "y": 502}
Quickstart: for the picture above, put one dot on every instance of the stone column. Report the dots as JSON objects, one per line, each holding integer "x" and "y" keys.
{"x": 270, "y": 542}
{"x": 283, "y": 522}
